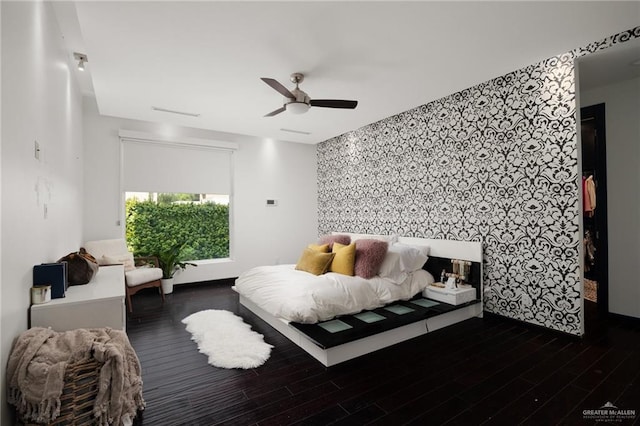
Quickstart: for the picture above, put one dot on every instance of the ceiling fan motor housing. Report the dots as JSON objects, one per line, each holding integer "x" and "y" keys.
{"x": 301, "y": 97}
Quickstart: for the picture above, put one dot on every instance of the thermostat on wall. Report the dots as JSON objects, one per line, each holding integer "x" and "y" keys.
{"x": 272, "y": 202}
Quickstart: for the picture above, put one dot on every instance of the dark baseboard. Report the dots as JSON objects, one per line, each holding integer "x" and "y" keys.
{"x": 531, "y": 326}
{"x": 625, "y": 319}
{"x": 223, "y": 281}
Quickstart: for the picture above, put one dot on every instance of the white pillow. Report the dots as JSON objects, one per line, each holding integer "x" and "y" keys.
{"x": 401, "y": 260}
{"x": 412, "y": 257}
{"x": 424, "y": 249}
{"x": 124, "y": 258}
{"x": 391, "y": 268}
{"x": 98, "y": 248}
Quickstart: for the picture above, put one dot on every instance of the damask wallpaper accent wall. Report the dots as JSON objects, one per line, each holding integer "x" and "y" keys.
{"x": 497, "y": 162}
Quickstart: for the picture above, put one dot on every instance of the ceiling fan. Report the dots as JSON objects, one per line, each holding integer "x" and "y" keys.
{"x": 298, "y": 102}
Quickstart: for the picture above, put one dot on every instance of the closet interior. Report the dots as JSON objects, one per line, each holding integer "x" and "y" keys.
{"x": 594, "y": 204}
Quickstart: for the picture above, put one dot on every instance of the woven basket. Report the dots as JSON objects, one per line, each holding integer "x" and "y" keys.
{"x": 78, "y": 395}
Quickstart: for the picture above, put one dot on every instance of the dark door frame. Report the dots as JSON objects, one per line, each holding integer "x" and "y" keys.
{"x": 597, "y": 114}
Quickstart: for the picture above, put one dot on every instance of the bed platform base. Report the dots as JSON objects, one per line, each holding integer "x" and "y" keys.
{"x": 334, "y": 351}
{"x": 336, "y": 354}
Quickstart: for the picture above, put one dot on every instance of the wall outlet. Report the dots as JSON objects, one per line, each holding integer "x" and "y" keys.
{"x": 36, "y": 152}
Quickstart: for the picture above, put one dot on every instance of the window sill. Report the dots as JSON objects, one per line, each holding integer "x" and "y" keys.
{"x": 212, "y": 261}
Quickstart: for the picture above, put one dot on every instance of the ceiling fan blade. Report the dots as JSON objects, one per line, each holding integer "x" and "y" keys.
{"x": 278, "y": 111}
{"x": 279, "y": 87}
{"x": 334, "y": 103}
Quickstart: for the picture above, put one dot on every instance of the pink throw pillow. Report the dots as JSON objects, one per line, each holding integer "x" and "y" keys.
{"x": 369, "y": 256}
{"x": 343, "y": 239}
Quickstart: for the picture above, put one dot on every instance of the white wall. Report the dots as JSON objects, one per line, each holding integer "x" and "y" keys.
{"x": 622, "y": 109}
{"x": 40, "y": 101}
{"x": 262, "y": 169}
{"x": 3, "y": 411}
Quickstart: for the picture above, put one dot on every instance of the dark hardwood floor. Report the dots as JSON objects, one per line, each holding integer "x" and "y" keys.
{"x": 489, "y": 371}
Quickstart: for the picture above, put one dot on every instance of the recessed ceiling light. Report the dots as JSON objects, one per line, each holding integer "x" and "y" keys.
{"x": 81, "y": 58}
{"x": 172, "y": 111}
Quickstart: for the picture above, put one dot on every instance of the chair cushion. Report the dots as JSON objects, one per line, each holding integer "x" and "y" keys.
{"x": 99, "y": 248}
{"x": 142, "y": 275}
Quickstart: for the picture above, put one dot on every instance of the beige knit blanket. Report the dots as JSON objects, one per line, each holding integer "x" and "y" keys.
{"x": 37, "y": 363}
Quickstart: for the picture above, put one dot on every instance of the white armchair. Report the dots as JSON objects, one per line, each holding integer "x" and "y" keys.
{"x": 109, "y": 252}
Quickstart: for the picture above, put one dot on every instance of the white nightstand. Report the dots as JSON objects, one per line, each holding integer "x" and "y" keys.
{"x": 456, "y": 296}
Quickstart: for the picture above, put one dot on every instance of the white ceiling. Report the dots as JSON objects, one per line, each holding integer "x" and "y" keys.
{"x": 618, "y": 63}
{"x": 208, "y": 57}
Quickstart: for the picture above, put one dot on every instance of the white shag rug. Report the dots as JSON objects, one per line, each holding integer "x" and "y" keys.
{"x": 227, "y": 340}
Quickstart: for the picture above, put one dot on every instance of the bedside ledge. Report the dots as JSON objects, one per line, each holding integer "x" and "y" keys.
{"x": 455, "y": 296}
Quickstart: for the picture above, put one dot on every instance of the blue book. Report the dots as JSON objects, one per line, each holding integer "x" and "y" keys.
{"x": 53, "y": 274}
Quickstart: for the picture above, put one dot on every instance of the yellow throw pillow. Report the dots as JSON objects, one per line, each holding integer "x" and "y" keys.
{"x": 322, "y": 248}
{"x": 344, "y": 260}
{"x": 314, "y": 262}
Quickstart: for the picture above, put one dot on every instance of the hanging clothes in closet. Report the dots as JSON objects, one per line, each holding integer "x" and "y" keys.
{"x": 589, "y": 194}
{"x": 589, "y": 207}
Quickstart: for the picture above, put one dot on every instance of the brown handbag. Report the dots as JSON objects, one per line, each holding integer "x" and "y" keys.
{"x": 81, "y": 267}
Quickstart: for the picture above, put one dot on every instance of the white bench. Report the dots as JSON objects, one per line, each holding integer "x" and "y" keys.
{"x": 100, "y": 303}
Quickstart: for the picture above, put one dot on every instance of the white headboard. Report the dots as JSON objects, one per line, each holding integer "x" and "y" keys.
{"x": 463, "y": 250}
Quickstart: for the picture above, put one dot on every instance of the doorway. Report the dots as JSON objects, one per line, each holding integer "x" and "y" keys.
{"x": 594, "y": 181}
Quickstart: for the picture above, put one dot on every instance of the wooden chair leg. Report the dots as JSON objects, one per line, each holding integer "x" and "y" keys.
{"x": 129, "y": 301}
{"x": 133, "y": 290}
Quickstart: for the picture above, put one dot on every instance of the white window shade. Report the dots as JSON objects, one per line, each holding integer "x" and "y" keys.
{"x": 170, "y": 167}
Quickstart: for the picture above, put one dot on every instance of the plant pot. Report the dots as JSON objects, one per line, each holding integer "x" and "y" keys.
{"x": 167, "y": 285}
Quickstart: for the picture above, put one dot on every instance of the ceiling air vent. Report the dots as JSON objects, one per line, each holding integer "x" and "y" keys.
{"x": 300, "y": 132}
{"x": 172, "y": 111}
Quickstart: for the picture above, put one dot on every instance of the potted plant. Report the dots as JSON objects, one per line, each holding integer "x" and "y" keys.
{"x": 170, "y": 263}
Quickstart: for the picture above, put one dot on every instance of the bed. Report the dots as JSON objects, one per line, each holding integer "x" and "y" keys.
{"x": 286, "y": 298}
{"x": 299, "y": 296}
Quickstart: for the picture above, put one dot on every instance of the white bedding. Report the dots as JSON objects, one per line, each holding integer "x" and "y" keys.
{"x": 303, "y": 297}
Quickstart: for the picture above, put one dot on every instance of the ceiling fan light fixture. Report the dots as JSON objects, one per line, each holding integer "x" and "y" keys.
{"x": 297, "y": 107}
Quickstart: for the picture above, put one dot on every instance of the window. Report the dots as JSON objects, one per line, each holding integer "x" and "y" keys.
{"x": 198, "y": 223}
{"x": 177, "y": 194}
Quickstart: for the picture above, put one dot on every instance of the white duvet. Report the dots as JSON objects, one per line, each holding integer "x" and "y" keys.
{"x": 303, "y": 297}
